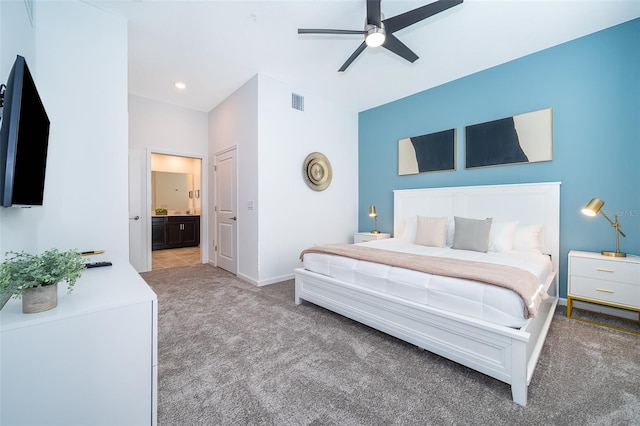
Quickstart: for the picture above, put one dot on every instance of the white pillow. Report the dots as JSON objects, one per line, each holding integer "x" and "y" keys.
{"x": 451, "y": 229}
{"x": 502, "y": 235}
{"x": 528, "y": 237}
{"x": 431, "y": 231}
{"x": 408, "y": 230}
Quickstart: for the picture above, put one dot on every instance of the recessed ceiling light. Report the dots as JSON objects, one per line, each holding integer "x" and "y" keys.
{"x": 179, "y": 85}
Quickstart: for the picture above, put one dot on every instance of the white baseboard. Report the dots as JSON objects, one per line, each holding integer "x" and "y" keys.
{"x": 275, "y": 280}
{"x": 247, "y": 279}
{"x": 260, "y": 283}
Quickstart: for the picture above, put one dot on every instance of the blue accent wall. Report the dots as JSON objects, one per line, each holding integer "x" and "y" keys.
{"x": 593, "y": 86}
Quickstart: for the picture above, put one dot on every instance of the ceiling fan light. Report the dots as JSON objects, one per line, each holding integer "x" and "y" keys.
{"x": 375, "y": 37}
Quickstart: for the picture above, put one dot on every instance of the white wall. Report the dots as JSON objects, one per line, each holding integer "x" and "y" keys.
{"x": 292, "y": 216}
{"x": 166, "y": 127}
{"x": 17, "y": 37}
{"x": 81, "y": 74}
{"x": 234, "y": 122}
{"x": 162, "y": 128}
{"x": 82, "y": 65}
{"x": 273, "y": 141}
{"x": 174, "y": 164}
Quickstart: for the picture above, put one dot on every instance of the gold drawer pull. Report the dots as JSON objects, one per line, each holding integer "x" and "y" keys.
{"x": 604, "y": 290}
{"x": 604, "y": 270}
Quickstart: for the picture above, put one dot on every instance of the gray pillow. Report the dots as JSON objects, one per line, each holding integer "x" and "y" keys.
{"x": 471, "y": 234}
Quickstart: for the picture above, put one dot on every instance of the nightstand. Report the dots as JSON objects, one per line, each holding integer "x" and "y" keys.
{"x": 604, "y": 280}
{"x": 363, "y": 237}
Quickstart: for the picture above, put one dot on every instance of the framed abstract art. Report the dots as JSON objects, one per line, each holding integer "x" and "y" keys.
{"x": 427, "y": 153}
{"x": 523, "y": 138}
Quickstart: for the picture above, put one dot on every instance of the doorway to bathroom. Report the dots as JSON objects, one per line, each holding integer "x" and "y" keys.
{"x": 176, "y": 211}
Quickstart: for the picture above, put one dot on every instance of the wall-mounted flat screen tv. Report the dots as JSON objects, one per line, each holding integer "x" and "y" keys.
{"x": 24, "y": 139}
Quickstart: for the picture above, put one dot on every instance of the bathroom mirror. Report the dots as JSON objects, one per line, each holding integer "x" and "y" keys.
{"x": 172, "y": 191}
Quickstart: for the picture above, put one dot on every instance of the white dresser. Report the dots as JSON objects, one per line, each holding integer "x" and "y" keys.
{"x": 91, "y": 360}
{"x": 604, "y": 280}
{"x": 363, "y": 237}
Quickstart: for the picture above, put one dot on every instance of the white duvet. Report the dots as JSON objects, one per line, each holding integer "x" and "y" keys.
{"x": 483, "y": 301}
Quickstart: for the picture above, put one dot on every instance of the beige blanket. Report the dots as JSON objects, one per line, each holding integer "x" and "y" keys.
{"x": 522, "y": 282}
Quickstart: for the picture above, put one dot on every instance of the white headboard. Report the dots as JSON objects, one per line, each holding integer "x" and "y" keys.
{"x": 529, "y": 204}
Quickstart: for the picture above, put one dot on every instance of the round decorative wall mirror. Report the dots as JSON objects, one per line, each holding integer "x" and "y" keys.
{"x": 316, "y": 171}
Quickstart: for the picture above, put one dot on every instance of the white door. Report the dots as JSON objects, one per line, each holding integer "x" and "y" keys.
{"x": 137, "y": 234}
{"x": 226, "y": 211}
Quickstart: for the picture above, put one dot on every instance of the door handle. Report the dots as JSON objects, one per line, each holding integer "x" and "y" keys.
{"x": 136, "y": 217}
{"x": 233, "y": 218}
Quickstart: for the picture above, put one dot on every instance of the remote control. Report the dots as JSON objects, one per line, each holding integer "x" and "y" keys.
{"x": 97, "y": 264}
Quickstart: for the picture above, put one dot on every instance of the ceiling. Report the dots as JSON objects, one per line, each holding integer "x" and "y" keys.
{"x": 216, "y": 46}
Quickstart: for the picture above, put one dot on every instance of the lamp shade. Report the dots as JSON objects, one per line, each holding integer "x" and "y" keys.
{"x": 593, "y": 207}
{"x": 372, "y": 211}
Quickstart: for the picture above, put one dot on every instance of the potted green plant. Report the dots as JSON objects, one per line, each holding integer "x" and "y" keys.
{"x": 35, "y": 278}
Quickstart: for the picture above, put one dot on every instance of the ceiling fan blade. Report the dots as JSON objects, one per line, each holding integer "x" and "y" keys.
{"x": 392, "y": 43}
{"x": 373, "y": 13}
{"x": 403, "y": 20}
{"x": 325, "y": 31}
{"x": 353, "y": 56}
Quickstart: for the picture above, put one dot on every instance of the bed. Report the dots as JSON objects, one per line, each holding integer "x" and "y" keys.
{"x": 504, "y": 347}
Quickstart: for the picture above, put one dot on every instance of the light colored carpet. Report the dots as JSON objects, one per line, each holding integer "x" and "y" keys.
{"x": 232, "y": 353}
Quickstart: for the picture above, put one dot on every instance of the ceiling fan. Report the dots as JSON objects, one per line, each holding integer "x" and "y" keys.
{"x": 379, "y": 32}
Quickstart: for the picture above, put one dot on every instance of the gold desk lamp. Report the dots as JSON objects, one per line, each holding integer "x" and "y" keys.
{"x": 374, "y": 215}
{"x": 591, "y": 209}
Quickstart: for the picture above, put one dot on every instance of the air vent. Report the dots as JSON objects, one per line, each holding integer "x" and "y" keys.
{"x": 297, "y": 102}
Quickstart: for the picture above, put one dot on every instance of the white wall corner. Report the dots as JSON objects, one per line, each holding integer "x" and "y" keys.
{"x": 293, "y": 216}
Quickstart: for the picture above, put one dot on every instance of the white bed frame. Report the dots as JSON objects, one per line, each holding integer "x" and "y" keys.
{"x": 507, "y": 354}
